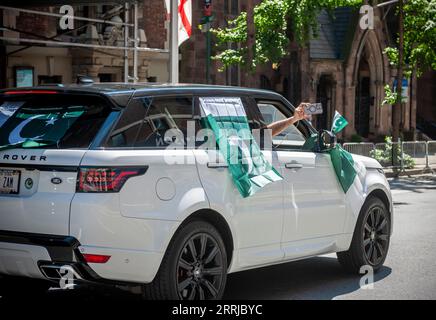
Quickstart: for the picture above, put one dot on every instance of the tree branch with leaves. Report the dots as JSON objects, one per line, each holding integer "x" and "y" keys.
{"x": 272, "y": 19}
{"x": 415, "y": 51}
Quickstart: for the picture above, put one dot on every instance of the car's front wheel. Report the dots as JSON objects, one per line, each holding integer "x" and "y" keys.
{"x": 194, "y": 266}
{"x": 371, "y": 238}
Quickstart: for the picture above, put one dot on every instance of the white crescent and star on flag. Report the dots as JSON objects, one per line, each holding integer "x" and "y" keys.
{"x": 15, "y": 135}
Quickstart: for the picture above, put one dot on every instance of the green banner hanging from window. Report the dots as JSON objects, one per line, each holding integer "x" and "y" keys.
{"x": 227, "y": 119}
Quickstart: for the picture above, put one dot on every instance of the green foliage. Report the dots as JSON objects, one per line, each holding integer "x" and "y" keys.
{"x": 272, "y": 19}
{"x": 420, "y": 35}
{"x": 419, "y": 42}
{"x": 391, "y": 97}
{"x": 392, "y": 54}
{"x": 384, "y": 156}
{"x": 235, "y": 33}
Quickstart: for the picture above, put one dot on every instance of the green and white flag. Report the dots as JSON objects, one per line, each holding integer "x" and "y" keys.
{"x": 342, "y": 160}
{"x": 227, "y": 119}
{"x": 339, "y": 123}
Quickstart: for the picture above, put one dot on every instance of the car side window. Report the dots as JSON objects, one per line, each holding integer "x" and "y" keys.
{"x": 153, "y": 122}
{"x": 293, "y": 137}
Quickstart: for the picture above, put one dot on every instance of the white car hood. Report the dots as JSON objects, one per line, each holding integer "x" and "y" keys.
{"x": 368, "y": 162}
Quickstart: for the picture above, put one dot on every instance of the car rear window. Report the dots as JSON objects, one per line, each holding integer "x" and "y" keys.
{"x": 154, "y": 122}
{"x": 66, "y": 122}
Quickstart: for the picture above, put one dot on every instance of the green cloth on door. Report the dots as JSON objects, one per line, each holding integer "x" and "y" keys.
{"x": 342, "y": 160}
{"x": 343, "y": 164}
{"x": 248, "y": 167}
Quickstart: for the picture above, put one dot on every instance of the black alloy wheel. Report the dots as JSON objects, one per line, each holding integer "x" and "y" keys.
{"x": 376, "y": 235}
{"x": 194, "y": 266}
{"x": 371, "y": 238}
{"x": 200, "y": 268}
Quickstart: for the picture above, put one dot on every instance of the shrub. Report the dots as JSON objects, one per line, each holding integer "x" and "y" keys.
{"x": 384, "y": 156}
{"x": 355, "y": 138}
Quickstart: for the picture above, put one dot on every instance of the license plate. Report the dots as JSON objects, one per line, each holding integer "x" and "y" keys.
{"x": 9, "y": 181}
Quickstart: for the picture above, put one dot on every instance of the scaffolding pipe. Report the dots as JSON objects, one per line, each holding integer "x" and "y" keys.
{"x": 174, "y": 60}
{"x": 126, "y": 43}
{"x": 135, "y": 42}
{"x": 83, "y": 45}
{"x": 58, "y": 15}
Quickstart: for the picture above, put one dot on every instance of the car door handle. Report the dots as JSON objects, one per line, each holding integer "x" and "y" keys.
{"x": 214, "y": 165}
{"x": 293, "y": 165}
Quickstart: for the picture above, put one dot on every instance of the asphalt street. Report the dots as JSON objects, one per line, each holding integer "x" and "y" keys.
{"x": 409, "y": 271}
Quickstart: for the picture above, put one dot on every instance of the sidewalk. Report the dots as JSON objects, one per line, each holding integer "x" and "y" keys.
{"x": 391, "y": 173}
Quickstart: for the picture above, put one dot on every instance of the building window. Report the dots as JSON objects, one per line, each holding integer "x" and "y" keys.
{"x": 49, "y": 79}
{"x": 234, "y": 7}
{"x": 231, "y": 7}
{"x": 106, "y": 77}
{"x": 265, "y": 83}
{"x": 23, "y": 76}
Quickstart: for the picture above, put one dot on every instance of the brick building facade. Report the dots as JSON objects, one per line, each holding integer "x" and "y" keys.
{"x": 344, "y": 68}
{"x": 52, "y": 63}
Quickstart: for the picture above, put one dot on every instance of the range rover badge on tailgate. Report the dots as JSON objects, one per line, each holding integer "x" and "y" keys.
{"x": 56, "y": 180}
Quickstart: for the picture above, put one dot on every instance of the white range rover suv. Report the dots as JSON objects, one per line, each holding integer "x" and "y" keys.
{"x": 86, "y": 187}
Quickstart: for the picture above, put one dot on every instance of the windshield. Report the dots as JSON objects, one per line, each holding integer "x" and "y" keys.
{"x": 62, "y": 122}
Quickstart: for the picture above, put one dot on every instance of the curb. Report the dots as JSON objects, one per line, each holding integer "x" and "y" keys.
{"x": 389, "y": 173}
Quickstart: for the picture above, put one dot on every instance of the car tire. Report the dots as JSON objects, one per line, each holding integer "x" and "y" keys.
{"x": 194, "y": 266}
{"x": 18, "y": 287}
{"x": 370, "y": 243}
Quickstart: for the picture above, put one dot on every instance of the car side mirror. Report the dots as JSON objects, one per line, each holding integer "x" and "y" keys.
{"x": 327, "y": 140}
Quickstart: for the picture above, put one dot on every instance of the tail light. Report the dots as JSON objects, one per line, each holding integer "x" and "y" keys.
{"x": 100, "y": 180}
{"x": 31, "y": 92}
{"x": 96, "y": 258}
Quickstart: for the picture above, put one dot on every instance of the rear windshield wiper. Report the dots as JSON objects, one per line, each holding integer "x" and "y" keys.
{"x": 30, "y": 144}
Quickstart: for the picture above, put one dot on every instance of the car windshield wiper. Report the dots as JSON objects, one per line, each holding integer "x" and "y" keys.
{"x": 30, "y": 144}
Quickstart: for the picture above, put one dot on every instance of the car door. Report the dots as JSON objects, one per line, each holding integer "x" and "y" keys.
{"x": 257, "y": 220}
{"x": 314, "y": 203}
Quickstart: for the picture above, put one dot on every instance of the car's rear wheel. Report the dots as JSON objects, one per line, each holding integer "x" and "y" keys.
{"x": 371, "y": 238}
{"x": 194, "y": 266}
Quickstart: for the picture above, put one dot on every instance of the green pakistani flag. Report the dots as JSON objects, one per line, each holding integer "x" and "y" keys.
{"x": 342, "y": 160}
{"x": 248, "y": 167}
{"x": 339, "y": 123}
{"x": 28, "y": 143}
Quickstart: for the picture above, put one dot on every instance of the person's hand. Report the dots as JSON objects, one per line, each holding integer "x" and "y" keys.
{"x": 299, "y": 113}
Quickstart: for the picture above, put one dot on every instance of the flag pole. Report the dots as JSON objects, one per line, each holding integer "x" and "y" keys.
{"x": 174, "y": 42}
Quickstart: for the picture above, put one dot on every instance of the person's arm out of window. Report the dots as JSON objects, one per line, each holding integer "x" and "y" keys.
{"x": 280, "y": 126}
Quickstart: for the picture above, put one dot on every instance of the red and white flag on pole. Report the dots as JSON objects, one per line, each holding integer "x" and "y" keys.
{"x": 185, "y": 19}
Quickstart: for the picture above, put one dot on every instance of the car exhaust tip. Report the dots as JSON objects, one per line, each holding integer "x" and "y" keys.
{"x": 58, "y": 272}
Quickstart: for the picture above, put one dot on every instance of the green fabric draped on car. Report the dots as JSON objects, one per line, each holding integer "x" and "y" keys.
{"x": 248, "y": 167}
{"x": 342, "y": 160}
